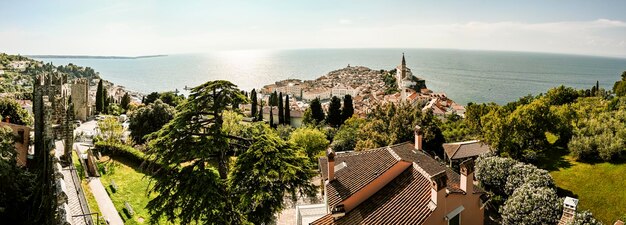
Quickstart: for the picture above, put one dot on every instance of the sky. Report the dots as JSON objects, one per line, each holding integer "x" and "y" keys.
{"x": 147, "y": 27}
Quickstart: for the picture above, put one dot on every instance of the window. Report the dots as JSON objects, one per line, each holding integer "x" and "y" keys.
{"x": 456, "y": 220}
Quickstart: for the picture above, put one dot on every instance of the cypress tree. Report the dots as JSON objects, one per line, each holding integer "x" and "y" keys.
{"x": 287, "y": 111}
{"x": 281, "y": 114}
{"x": 125, "y": 101}
{"x": 105, "y": 100}
{"x": 260, "y": 113}
{"x": 253, "y": 111}
{"x": 99, "y": 98}
{"x": 348, "y": 108}
{"x": 334, "y": 112}
{"x": 317, "y": 113}
{"x": 271, "y": 116}
{"x": 597, "y": 87}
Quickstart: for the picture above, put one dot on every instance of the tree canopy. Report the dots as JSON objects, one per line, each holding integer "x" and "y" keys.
{"x": 317, "y": 113}
{"x": 148, "y": 119}
{"x": 16, "y": 114}
{"x": 18, "y": 184}
{"x": 334, "y": 112}
{"x": 201, "y": 181}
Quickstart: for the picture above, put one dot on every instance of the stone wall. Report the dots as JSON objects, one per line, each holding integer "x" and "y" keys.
{"x": 80, "y": 99}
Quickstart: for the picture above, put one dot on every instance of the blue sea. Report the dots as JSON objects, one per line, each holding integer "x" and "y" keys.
{"x": 466, "y": 76}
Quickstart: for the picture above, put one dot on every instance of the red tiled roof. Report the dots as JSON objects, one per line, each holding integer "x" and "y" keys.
{"x": 403, "y": 200}
{"x": 360, "y": 170}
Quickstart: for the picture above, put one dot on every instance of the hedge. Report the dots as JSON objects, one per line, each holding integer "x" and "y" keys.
{"x": 129, "y": 153}
{"x": 122, "y": 150}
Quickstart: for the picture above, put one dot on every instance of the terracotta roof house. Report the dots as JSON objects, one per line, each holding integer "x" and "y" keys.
{"x": 461, "y": 151}
{"x": 398, "y": 184}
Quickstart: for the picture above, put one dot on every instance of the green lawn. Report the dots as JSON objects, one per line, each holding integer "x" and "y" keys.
{"x": 132, "y": 187}
{"x": 600, "y": 187}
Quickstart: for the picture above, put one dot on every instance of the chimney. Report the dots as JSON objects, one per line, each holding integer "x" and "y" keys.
{"x": 419, "y": 135}
{"x": 330, "y": 154}
{"x": 438, "y": 190}
{"x": 467, "y": 176}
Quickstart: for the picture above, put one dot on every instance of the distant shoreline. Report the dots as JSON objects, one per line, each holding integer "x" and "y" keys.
{"x": 91, "y": 57}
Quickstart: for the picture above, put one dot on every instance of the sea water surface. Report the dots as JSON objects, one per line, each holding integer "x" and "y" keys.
{"x": 466, "y": 76}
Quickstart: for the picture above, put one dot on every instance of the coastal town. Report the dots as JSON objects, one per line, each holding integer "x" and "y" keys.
{"x": 90, "y": 124}
{"x": 313, "y": 112}
{"x": 368, "y": 88}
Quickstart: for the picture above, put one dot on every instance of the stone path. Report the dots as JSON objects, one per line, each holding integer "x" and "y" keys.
{"x": 104, "y": 202}
{"x": 75, "y": 198}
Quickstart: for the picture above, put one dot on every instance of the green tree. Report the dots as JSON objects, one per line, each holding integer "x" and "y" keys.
{"x": 171, "y": 98}
{"x": 265, "y": 173}
{"x": 16, "y": 114}
{"x": 254, "y": 107}
{"x": 317, "y": 113}
{"x": 281, "y": 112}
{"x": 260, "y": 113}
{"x": 493, "y": 173}
{"x": 100, "y": 98}
{"x": 348, "y": 109}
{"x": 18, "y": 185}
{"x": 110, "y": 129}
{"x": 619, "y": 88}
{"x": 307, "y": 118}
{"x": 106, "y": 100}
{"x": 149, "y": 119}
{"x": 531, "y": 205}
{"x": 125, "y": 101}
{"x": 287, "y": 111}
{"x": 272, "y": 116}
{"x": 346, "y": 137}
{"x": 203, "y": 132}
{"x": 150, "y": 98}
{"x": 311, "y": 140}
{"x": 334, "y": 113}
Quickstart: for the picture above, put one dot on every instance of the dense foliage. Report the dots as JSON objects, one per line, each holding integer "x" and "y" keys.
{"x": 148, "y": 119}
{"x": 503, "y": 177}
{"x": 110, "y": 129}
{"x": 619, "y": 88}
{"x": 386, "y": 125}
{"x": 100, "y": 97}
{"x": 584, "y": 218}
{"x": 16, "y": 184}
{"x": 333, "y": 118}
{"x": 599, "y": 132}
{"x": 201, "y": 181}
{"x": 311, "y": 140}
{"x": 532, "y": 206}
{"x": 168, "y": 97}
{"x": 16, "y": 114}
{"x": 317, "y": 115}
{"x": 347, "y": 110}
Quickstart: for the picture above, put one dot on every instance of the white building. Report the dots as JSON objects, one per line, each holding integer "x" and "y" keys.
{"x": 340, "y": 91}
{"x": 313, "y": 94}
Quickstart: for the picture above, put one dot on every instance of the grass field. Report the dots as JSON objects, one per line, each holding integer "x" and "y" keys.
{"x": 600, "y": 187}
{"x": 132, "y": 188}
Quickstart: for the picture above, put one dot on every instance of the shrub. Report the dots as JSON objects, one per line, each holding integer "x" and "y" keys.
{"x": 531, "y": 205}
{"x": 584, "y": 218}
{"x": 521, "y": 174}
{"x": 492, "y": 172}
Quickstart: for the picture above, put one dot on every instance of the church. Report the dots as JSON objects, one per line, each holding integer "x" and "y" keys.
{"x": 406, "y": 81}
